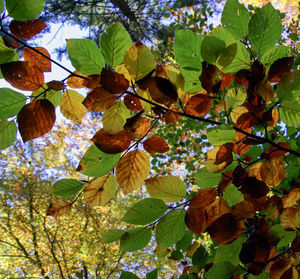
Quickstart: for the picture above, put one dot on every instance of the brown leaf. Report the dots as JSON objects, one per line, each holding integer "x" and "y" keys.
{"x": 58, "y": 207}
{"x": 254, "y": 187}
{"x": 113, "y": 82}
{"x": 195, "y": 219}
{"x": 76, "y": 82}
{"x": 243, "y": 210}
{"x": 258, "y": 203}
{"x": 10, "y": 42}
{"x": 156, "y": 145}
{"x": 291, "y": 273}
{"x": 56, "y": 85}
{"x": 296, "y": 244}
{"x": 255, "y": 105}
{"x": 246, "y": 121}
{"x": 225, "y": 154}
{"x": 225, "y": 229}
{"x": 279, "y": 68}
{"x": 26, "y": 29}
{"x": 279, "y": 267}
{"x": 99, "y": 100}
{"x": 292, "y": 198}
{"x": 242, "y": 77}
{"x": 211, "y": 78}
{"x": 92, "y": 81}
{"x": 290, "y": 218}
{"x": 171, "y": 117}
{"x": 272, "y": 172}
{"x": 240, "y": 147}
{"x": 275, "y": 152}
{"x": 137, "y": 128}
{"x": 273, "y": 207}
{"x": 238, "y": 175}
{"x": 265, "y": 90}
{"x": 111, "y": 144}
{"x": 227, "y": 79}
{"x": 198, "y": 105}
{"x": 225, "y": 181}
{"x": 38, "y": 60}
{"x": 203, "y": 198}
{"x": 132, "y": 103}
{"x": 36, "y": 119}
{"x": 23, "y": 75}
{"x": 216, "y": 209}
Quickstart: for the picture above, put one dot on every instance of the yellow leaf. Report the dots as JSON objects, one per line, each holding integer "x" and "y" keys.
{"x": 71, "y": 105}
{"x": 272, "y": 172}
{"x": 132, "y": 170}
{"x": 290, "y": 218}
{"x": 237, "y": 112}
{"x": 58, "y": 207}
{"x": 100, "y": 190}
{"x": 139, "y": 61}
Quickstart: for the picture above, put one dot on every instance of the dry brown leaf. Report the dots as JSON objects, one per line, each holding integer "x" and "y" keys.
{"x": 195, "y": 219}
{"x": 272, "y": 172}
{"x": 292, "y": 198}
{"x": 198, "y": 105}
{"x": 290, "y": 218}
{"x": 26, "y": 29}
{"x": 203, "y": 198}
{"x": 58, "y": 207}
{"x": 216, "y": 209}
{"x": 113, "y": 82}
{"x": 156, "y": 145}
{"x": 37, "y": 59}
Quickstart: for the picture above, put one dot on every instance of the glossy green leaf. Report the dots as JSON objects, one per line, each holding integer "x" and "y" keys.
{"x": 220, "y": 270}
{"x": 220, "y": 135}
{"x": 235, "y": 97}
{"x": 112, "y": 236}
{"x": 152, "y": 274}
{"x": 52, "y": 95}
{"x": 67, "y": 188}
{"x": 97, "y": 163}
{"x": 205, "y": 179}
{"x": 192, "y": 82}
{"x": 113, "y": 44}
{"x": 8, "y": 131}
{"x": 230, "y": 252}
{"x": 170, "y": 228}
{"x": 145, "y": 211}
{"x": 115, "y": 117}
{"x": 289, "y": 86}
{"x": 85, "y": 56}
{"x": 235, "y": 19}
{"x": 264, "y": 29}
{"x": 187, "y": 47}
{"x": 289, "y": 112}
{"x": 135, "y": 239}
{"x": 11, "y": 102}
{"x": 7, "y": 54}
{"x": 24, "y": 9}
{"x": 128, "y": 275}
{"x": 232, "y": 195}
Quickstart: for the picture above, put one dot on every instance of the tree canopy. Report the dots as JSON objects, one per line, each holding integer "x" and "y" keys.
{"x": 212, "y": 136}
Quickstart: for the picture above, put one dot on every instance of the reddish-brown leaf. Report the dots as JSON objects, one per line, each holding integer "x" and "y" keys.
{"x": 275, "y": 152}
{"x": 198, "y": 105}
{"x": 138, "y": 127}
{"x": 254, "y": 187}
{"x": 246, "y": 121}
{"x": 36, "y": 119}
{"x": 227, "y": 79}
{"x": 273, "y": 207}
{"x": 256, "y": 105}
{"x": 292, "y": 198}
{"x": 243, "y": 210}
{"x": 156, "y": 145}
{"x": 296, "y": 244}
{"x": 111, "y": 144}
{"x": 99, "y": 100}
{"x": 56, "y": 85}
{"x": 26, "y": 29}
{"x": 211, "y": 78}
{"x": 279, "y": 267}
{"x": 77, "y": 82}
{"x": 203, "y": 198}
{"x": 238, "y": 175}
{"x": 10, "y": 42}
{"x": 279, "y": 68}
{"x": 258, "y": 203}
{"x": 171, "y": 117}
{"x": 113, "y": 82}
{"x": 240, "y": 147}
{"x": 258, "y": 71}
{"x": 272, "y": 172}
{"x": 225, "y": 181}
{"x": 92, "y": 81}
{"x": 225, "y": 154}
{"x": 133, "y": 103}
{"x": 242, "y": 77}
{"x": 23, "y": 75}
{"x": 290, "y": 218}
{"x": 38, "y": 60}
{"x": 195, "y": 219}
{"x": 58, "y": 207}
{"x": 216, "y": 209}
{"x": 225, "y": 229}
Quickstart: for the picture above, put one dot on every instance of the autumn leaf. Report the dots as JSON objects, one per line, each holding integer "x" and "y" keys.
{"x": 198, "y": 105}
{"x": 272, "y": 172}
{"x": 26, "y": 29}
{"x": 113, "y": 82}
{"x": 156, "y": 144}
{"x": 36, "y": 59}
{"x": 58, "y": 208}
{"x": 99, "y": 100}
{"x": 132, "y": 103}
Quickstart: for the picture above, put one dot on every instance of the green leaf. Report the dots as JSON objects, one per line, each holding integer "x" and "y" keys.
{"x": 112, "y": 236}
{"x": 113, "y": 44}
{"x": 145, "y": 211}
{"x": 7, "y": 54}
{"x": 230, "y": 252}
{"x": 235, "y": 97}
{"x": 8, "y": 131}
{"x": 11, "y": 102}
{"x": 264, "y": 29}
{"x": 240, "y": 61}
{"x": 235, "y": 19}
{"x": 220, "y": 270}
{"x": 205, "y": 179}
{"x": 274, "y": 54}
{"x": 115, "y": 117}
{"x": 128, "y": 275}
{"x": 176, "y": 255}
{"x": 284, "y": 238}
{"x": 289, "y": 86}
{"x": 212, "y": 48}
{"x": 170, "y": 228}
{"x": 24, "y": 9}
{"x": 264, "y": 275}
{"x": 152, "y": 274}
{"x": 200, "y": 257}
{"x": 192, "y": 82}
{"x": 185, "y": 241}
{"x": 52, "y": 95}
{"x": 97, "y": 163}
{"x": 85, "y": 56}
{"x": 135, "y": 239}
{"x": 220, "y": 135}
{"x": 232, "y": 195}
{"x": 187, "y": 47}
{"x": 67, "y": 188}
{"x": 289, "y": 112}
{"x": 167, "y": 188}
{"x": 1, "y": 6}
